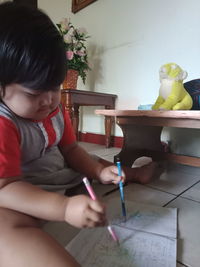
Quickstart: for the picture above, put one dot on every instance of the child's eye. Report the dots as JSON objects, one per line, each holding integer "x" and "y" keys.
{"x": 31, "y": 95}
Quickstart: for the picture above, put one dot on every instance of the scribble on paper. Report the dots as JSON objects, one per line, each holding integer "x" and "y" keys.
{"x": 138, "y": 248}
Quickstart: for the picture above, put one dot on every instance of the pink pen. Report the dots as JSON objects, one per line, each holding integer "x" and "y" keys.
{"x": 93, "y": 196}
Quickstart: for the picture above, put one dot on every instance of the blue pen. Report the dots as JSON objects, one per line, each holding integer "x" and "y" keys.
{"x": 121, "y": 189}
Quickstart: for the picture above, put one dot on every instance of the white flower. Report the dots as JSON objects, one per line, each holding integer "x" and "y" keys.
{"x": 64, "y": 24}
{"x": 67, "y": 38}
{"x": 82, "y": 31}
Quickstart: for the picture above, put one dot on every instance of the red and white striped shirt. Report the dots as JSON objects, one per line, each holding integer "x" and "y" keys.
{"x": 26, "y": 146}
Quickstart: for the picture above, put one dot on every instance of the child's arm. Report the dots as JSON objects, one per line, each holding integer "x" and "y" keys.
{"x": 81, "y": 161}
{"x": 16, "y": 194}
{"x": 23, "y": 197}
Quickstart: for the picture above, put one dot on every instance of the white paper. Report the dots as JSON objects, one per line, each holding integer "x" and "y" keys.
{"x": 138, "y": 247}
{"x": 147, "y": 218}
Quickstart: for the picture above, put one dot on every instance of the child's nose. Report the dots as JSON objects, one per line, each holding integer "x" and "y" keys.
{"x": 47, "y": 98}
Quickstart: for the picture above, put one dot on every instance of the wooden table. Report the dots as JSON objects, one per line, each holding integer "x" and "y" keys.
{"x": 142, "y": 131}
{"x": 73, "y": 99}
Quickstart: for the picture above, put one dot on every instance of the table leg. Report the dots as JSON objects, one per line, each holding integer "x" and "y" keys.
{"x": 140, "y": 141}
{"x": 73, "y": 113}
{"x": 76, "y": 120}
{"x": 108, "y": 127}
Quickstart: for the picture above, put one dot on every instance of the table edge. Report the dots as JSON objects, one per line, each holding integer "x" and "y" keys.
{"x": 176, "y": 114}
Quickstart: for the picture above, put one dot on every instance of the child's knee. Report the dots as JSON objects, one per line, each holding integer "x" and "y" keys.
{"x": 11, "y": 219}
{"x": 10, "y": 222}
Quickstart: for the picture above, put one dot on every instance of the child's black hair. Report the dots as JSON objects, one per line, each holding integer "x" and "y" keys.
{"x": 32, "y": 52}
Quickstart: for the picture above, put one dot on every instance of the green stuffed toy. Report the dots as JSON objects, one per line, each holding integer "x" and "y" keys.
{"x": 172, "y": 94}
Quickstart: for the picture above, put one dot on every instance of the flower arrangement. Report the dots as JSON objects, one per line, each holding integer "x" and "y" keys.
{"x": 76, "y": 52}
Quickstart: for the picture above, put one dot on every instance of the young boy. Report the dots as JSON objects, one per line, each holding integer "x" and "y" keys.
{"x": 36, "y": 143}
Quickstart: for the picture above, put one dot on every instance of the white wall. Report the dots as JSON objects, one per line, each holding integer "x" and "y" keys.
{"x": 130, "y": 40}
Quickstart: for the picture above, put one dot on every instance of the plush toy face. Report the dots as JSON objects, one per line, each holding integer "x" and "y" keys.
{"x": 172, "y": 94}
{"x": 173, "y": 72}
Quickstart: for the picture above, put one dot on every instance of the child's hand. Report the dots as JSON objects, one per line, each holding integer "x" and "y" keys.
{"x": 81, "y": 211}
{"x": 109, "y": 175}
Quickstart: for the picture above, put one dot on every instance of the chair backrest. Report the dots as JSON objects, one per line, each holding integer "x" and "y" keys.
{"x": 193, "y": 88}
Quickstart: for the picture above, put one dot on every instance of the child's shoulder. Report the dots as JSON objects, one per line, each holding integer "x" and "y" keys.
{"x": 9, "y": 118}
{"x": 5, "y": 112}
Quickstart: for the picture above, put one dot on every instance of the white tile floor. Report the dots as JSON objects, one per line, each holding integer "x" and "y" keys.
{"x": 178, "y": 187}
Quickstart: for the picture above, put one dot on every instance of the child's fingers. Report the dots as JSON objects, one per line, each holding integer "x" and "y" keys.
{"x": 115, "y": 178}
{"x": 91, "y": 224}
{"x": 114, "y": 169}
{"x": 97, "y": 206}
{"x": 123, "y": 177}
{"x": 96, "y": 213}
{"x": 114, "y": 173}
{"x": 95, "y": 219}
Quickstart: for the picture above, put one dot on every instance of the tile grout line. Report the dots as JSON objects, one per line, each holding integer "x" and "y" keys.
{"x": 160, "y": 190}
{"x": 183, "y": 264}
{"x": 111, "y": 191}
{"x": 196, "y": 201}
{"x": 181, "y": 194}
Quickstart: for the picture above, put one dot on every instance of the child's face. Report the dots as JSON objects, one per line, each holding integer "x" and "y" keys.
{"x": 31, "y": 104}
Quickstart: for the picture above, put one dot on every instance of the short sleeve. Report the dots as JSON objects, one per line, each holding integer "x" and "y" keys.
{"x": 10, "y": 153}
{"x": 68, "y": 135}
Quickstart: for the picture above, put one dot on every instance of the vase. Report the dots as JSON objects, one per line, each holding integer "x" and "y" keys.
{"x": 70, "y": 81}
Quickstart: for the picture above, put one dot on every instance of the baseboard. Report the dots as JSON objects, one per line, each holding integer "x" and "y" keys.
{"x": 116, "y": 141}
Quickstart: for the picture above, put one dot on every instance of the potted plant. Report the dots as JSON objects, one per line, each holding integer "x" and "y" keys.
{"x": 76, "y": 52}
